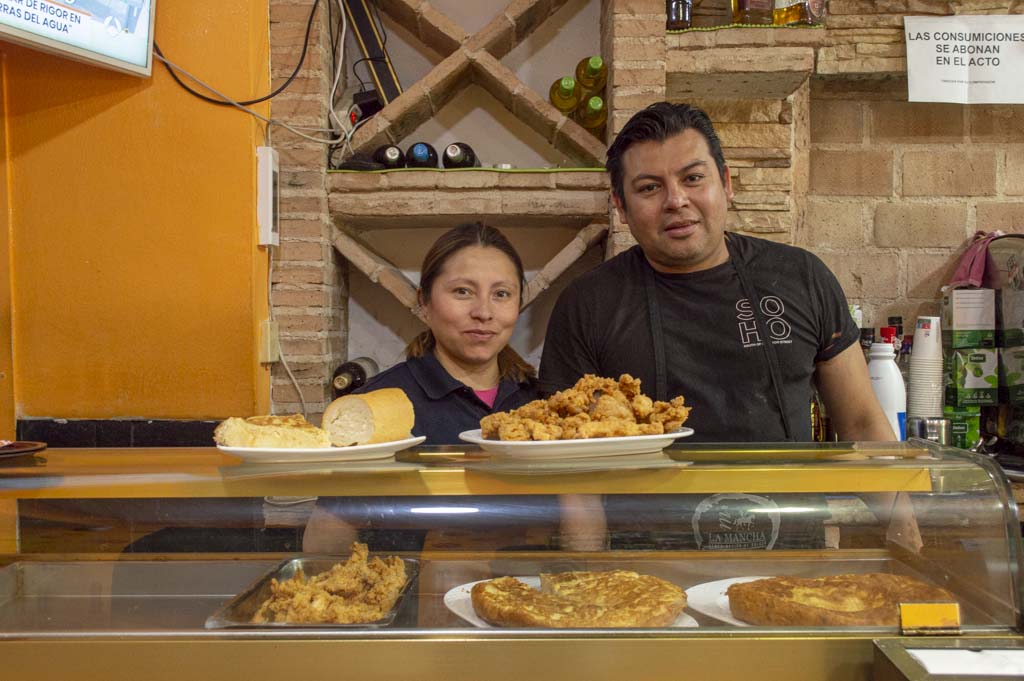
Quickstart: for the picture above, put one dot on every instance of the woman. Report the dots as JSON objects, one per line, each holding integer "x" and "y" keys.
{"x": 456, "y": 372}
{"x": 461, "y": 368}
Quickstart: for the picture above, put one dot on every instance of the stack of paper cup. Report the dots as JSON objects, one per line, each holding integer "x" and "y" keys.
{"x": 926, "y": 390}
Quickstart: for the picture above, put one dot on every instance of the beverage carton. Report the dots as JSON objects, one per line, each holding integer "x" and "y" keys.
{"x": 1011, "y": 376}
{"x": 969, "y": 318}
{"x": 1010, "y": 318}
{"x": 966, "y": 425}
{"x": 972, "y": 376}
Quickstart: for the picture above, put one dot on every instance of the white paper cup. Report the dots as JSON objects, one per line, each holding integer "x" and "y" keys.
{"x": 927, "y": 339}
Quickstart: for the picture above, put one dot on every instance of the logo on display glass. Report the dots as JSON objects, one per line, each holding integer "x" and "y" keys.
{"x": 725, "y": 522}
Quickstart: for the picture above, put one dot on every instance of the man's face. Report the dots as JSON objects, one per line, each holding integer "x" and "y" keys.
{"x": 675, "y": 202}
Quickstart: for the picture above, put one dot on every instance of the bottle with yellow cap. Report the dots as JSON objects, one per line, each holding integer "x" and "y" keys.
{"x": 591, "y": 74}
{"x": 565, "y": 95}
{"x": 592, "y": 115}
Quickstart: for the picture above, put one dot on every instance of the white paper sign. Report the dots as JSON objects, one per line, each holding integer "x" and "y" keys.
{"x": 966, "y": 59}
{"x": 1005, "y": 662}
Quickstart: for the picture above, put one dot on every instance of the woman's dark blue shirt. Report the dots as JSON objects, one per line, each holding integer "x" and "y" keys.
{"x": 444, "y": 406}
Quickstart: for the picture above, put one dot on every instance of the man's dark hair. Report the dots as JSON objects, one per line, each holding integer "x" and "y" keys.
{"x": 659, "y": 122}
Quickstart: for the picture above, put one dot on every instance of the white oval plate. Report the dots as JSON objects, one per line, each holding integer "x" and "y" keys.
{"x": 460, "y": 601}
{"x": 381, "y": 450}
{"x": 710, "y": 599}
{"x": 571, "y": 449}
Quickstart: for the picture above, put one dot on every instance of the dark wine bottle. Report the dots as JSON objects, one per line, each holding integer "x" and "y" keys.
{"x": 679, "y": 14}
{"x": 389, "y": 156}
{"x": 460, "y": 155}
{"x": 421, "y": 155}
{"x": 352, "y": 375}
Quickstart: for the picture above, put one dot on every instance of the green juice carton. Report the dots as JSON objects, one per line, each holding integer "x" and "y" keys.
{"x": 969, "y": 318}
{"x": 966, "y": 425}
{"x": 1010, "y": 318}
{"x": 972, "y": 376}
{"x": 1011, "y": 376}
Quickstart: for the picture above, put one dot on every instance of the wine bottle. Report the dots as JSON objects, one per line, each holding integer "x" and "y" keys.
{"x": 565, "y": 95}
{"x": 591, "y": 74}
{"x": 592, "y": 115}
{"x": 421, "y": 155}
{"x": 679, "y": 13}
{"x": 789, "y": 12}
{"x": 460, "y": 155}
{"x": 389, "y": 156}
{"x": 352, "y": 375}
{"x": 753, "y": 11}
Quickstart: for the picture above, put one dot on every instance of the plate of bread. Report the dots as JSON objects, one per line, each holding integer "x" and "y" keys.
{"x": 847, "y": 600}
{"x": 575, "y": 600}
{"x": 371, "y": 425}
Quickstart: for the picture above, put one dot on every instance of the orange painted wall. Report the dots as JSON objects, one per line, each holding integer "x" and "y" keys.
{"x": 7, "y": 428}
{"x": 136, "y": 283}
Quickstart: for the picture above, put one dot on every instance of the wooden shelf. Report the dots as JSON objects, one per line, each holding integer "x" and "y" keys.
{"x": 363, "y": 201}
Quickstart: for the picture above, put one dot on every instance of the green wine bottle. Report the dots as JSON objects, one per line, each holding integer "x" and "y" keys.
{"x": 593, "y": 115}
{"x": 591, "y": 74}
{"x": 565, "y": 95}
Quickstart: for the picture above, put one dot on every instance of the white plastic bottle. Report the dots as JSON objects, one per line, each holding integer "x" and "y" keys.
{"x": 887, "y": 382}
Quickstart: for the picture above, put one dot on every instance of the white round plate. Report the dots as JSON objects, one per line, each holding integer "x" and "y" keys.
{"x": 460, "y": 601}
{"x": 572, "y": 449}
{"x": 710, "y": 599}
{"x": 381, "y": 450}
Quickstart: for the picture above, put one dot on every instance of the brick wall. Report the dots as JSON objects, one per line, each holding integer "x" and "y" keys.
{"x": 898, "y": 188}
{"x": 308, "y": 287}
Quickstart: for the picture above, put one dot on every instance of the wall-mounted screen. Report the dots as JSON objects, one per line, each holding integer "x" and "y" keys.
{"x": 117, "y": 34}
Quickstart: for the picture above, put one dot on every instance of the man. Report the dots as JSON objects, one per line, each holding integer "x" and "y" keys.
{"x": 690, "y": 308}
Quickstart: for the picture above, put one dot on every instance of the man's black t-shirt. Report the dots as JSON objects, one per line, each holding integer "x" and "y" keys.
{"x": 712, "y": 340}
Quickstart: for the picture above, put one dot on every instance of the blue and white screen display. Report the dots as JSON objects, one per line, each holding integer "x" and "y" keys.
{"x": 107, "y": 31}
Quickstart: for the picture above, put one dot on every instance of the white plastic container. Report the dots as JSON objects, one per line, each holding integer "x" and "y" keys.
{"x": 888, "y": 385}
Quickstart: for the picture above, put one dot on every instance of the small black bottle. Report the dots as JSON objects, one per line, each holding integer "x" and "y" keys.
{"x": 460, "y": 155}
{"x": 389, "y": 156}
{"x": 352, "y": 375}
{"x": 421, "y": 155}
{"x": 679, "y": 14}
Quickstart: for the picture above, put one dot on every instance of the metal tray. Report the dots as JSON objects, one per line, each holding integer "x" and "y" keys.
{"x": 239, "y": 610}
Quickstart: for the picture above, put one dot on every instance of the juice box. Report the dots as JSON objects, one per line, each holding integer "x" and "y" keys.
{"x": 972, "y": 376}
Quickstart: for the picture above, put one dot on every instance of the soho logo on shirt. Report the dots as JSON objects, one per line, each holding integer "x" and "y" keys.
{"x": 773, "y": 309}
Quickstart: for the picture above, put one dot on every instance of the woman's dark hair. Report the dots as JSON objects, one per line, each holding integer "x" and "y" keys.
{"x": 659, "y": 122}
{"x": 510, "y": 364}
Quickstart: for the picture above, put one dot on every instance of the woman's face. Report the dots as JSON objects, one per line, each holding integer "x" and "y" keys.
{"x": 473, "y": 306}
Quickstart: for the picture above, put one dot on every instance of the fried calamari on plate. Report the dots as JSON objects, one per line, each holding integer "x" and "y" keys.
{"x": 594, "y": 407}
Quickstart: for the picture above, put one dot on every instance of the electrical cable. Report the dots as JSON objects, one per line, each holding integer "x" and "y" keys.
{"x": 332, "y": 117}
{"x": 227, "y": 101}
{"x": 270, "y": 121}
{"x": 270, "y": 314}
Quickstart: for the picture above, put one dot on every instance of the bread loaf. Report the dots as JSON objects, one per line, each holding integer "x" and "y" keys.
{"x": 382, "y": 415}
{"x": 288, "y": 432}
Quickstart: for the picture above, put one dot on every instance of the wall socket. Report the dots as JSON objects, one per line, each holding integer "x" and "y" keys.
{"x": 270, "y": 342}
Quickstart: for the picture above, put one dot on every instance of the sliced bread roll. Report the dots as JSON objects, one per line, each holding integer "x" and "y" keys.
{"x": 379, "y": 416}
{"x": 290, "y": 432}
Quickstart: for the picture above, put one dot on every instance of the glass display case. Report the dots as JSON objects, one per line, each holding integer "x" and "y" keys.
{"x": 119, "y": 563}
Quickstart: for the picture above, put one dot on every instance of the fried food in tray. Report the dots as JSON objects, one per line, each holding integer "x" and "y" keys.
{"x": 353, "y": 592}
{"x": 863, "y": 600}
{"x": 594, "y": 407}
{"x": 611, "y": 599}
{"x": 361, "y": 591}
